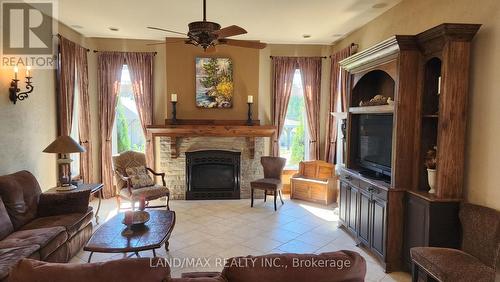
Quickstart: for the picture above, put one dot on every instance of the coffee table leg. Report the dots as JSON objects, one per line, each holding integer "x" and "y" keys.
{"x": 154, "y": 253}
{"x": 98, "y": 206}
{"x": 166, "y": 246}
{"x": 90, "y": 257}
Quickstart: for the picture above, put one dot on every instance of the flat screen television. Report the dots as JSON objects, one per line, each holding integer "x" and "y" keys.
{"x": 374, "y": 148}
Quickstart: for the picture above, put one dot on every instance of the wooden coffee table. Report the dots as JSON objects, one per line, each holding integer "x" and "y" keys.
{"x": 109, "y": 238}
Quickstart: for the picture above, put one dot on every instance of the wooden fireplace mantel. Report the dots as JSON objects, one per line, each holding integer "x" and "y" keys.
{"x": 211, "y": 130}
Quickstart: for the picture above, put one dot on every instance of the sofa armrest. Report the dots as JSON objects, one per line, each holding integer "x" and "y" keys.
{"x": 51, "y": 204}
{"x": 200, "y": 274}
{"x": 199, "y": 277}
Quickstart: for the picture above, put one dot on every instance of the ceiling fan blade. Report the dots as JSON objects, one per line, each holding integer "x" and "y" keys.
{"x": 166, "y": 30}
{"x": 244, "y": 43}
{"x": 228, "y": 31}
{"x": 168, "y": 42}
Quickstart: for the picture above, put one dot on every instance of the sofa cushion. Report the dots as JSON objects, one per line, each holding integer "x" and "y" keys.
{"x": 266, "y": 183}
{"x": 325, "y": 267}
{"x": 112, "y": 271}
{"x": 49, "y": 239}
{"x": 20, "y": 192}
{"x": 451, "y": 264}
{"x": 63, "y": 203}
{"x": 6, "y": 226}
{"x": 72, "y": 221}
{"x": 9, "y": 258}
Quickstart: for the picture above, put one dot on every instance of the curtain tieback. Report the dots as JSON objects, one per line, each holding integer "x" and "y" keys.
{"x": 312, "y": 141}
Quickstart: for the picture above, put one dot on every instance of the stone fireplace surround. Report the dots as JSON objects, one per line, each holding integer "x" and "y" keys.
{"x": 175, "y": 168}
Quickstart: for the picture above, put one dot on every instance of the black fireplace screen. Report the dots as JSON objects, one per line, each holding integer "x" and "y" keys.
{"x": 212, "y": 174}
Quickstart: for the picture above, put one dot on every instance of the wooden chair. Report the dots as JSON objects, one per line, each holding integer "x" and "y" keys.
{"x": 314, "y": 182}
{"x": 478, "y": 258}
{"x": 124, "y": 188}
{"x": 273, "y": 168}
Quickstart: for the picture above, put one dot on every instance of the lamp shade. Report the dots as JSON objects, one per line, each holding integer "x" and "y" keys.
{"x": 64, "y": 145}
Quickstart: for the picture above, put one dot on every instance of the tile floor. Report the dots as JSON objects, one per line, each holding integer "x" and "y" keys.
{"x": 222, "y": 229}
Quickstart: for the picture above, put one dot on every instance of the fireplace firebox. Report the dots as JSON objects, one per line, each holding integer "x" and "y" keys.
{"x": 212, "y": 174}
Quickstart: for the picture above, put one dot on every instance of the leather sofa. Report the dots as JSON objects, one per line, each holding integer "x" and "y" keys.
{"x": 325, "y": 267}
{"x": 40, "y": 226}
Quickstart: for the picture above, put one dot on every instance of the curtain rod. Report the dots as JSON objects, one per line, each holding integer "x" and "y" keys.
{"x": 96, "y": 51}
{"x": 323, "y": 57}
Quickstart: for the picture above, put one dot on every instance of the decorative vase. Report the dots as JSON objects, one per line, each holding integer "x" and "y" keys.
{"x": 431, "y": 178}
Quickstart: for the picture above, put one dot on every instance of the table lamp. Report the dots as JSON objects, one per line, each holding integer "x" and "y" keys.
{"x": 64, "y": 145}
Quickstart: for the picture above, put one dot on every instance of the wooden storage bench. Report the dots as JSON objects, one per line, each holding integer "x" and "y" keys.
{"x": 314, "y": 182}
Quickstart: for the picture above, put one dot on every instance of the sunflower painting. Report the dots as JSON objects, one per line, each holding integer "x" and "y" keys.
{"x": 214, "y": 83}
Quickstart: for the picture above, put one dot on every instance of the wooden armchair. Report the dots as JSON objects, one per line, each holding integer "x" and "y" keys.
{"x": 315, "y": 182}
{"x": 124, "y": 186}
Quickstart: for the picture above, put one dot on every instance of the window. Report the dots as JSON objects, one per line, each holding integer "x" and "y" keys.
{"x": 75, "y": 131}
{"x": 127, "y": 129}
{"x": 294, "y": 141}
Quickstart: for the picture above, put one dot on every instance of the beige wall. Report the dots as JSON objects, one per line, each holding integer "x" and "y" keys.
{"x": 30, "y": 125}
{"x": 414, "y": 16}
{"x": 180, "y": 66}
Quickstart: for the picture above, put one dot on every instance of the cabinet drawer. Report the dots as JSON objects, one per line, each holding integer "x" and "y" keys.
{"x": 349, "y": 179}
{"x": 376, "y": 191}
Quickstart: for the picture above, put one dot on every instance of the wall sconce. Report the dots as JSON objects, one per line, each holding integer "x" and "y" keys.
{"x": 14, "y": 91}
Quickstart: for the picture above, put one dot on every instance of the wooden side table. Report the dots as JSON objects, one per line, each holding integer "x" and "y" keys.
{"x": 95, "y": 188}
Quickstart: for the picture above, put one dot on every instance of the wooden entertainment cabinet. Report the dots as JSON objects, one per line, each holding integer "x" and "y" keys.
{"x": 390, "y": 216}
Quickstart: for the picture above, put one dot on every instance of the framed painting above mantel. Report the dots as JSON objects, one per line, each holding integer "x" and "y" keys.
{"x": 214, "y": 82}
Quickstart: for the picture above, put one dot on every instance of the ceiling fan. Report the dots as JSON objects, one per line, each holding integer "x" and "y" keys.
{"x": 209, "y": 34}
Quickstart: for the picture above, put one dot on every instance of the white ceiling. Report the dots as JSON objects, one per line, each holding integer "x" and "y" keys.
{"x": 271, "y": 21}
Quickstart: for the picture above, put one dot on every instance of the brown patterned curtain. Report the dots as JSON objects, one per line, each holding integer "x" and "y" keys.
{"x": 310, "y": 71}
{"x": 66, "y": 93}
{"x": 86, "y": 167}
{"x": 109, "y": 72}
{"x": 338, "y": 85}
{"x": 283, "y": 71}
{"x": 140, "y": 66}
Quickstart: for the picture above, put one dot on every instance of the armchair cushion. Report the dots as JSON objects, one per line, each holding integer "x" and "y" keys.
{"x": 139, "y": 177}
{"x": 63, "y": 203}
{"x": 267, "y": 183}
{"x": 148, "y": 193}
{"x": 451, "y": 264}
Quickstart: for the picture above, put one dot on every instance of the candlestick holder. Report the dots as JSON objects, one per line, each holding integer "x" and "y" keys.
{"x": 174, "y": 112}
{"x": 249, "y": 119}
{"x": 15, "y": 93}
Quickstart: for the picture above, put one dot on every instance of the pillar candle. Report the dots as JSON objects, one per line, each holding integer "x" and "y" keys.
{"x": 250, "y": 99}
{"x": 173, "y": 97}
{"x": 16, "y": 69}
{"x": 439, "y": 85}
